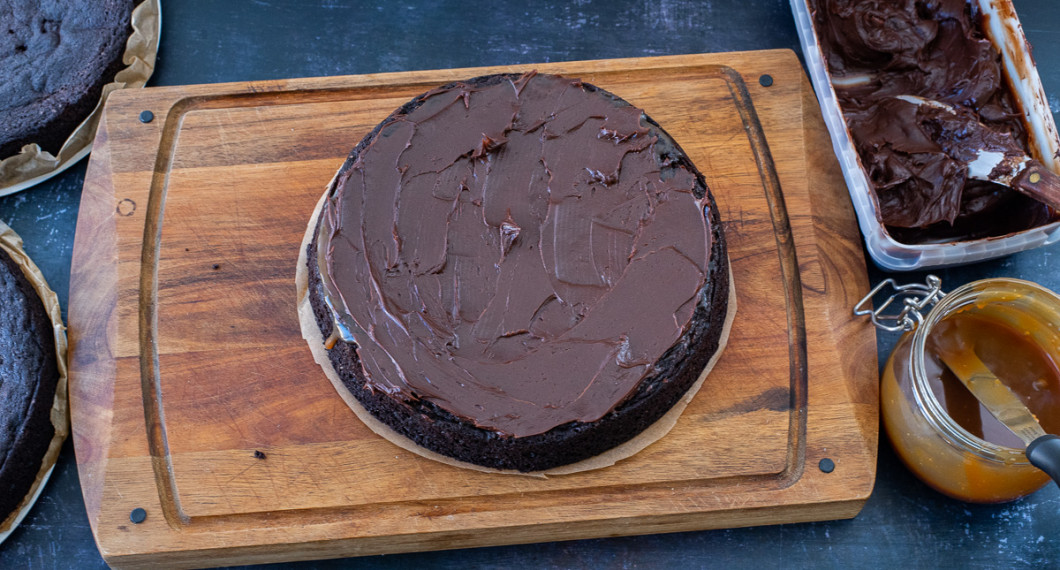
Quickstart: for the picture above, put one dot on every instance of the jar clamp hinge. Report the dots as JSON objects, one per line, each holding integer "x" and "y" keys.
{"x": 915, "y": 297}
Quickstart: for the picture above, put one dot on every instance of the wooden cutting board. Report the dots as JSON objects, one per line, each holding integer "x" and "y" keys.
{"x": 195, "y": 398}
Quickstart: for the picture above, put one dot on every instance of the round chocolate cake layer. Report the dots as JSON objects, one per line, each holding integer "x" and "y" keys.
{"x": 55, "y": 58}
{"x": 28, "y": 378}
{"x": 524, "y": 270}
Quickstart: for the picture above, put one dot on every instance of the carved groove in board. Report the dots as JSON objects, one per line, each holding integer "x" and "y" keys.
{"x": 789, "y": 267}
{"x": 150, "y": 372}
{"x": 161, "y": 460}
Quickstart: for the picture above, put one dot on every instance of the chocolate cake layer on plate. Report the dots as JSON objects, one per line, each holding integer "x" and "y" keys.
{"x": 28, "y": 381}
{"x": 55, "y": 58}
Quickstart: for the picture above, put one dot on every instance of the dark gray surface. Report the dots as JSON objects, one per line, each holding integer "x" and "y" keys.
{"x": 204, "y": 41}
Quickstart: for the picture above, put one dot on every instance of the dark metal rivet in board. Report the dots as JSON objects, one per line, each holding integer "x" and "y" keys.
{"x": 146, "y": 116}
{"x": 826, "y": 465}
{"x": 138, "y": 515}
{"x": 765, "y": 80}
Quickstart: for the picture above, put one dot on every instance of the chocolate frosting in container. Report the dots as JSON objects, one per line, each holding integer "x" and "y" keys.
{"x": 878, "y": 50}
{"x": 484, "y": 253}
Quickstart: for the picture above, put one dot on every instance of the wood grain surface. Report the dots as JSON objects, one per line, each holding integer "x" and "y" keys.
{"x": 187, "y": 359}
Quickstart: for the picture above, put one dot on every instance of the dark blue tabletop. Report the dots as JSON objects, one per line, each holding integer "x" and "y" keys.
{"x": 203, "y": 41}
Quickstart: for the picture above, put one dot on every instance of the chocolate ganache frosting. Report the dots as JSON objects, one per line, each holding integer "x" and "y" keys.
{"x": 880, "y": 50}
{"x": 518, "y": 251}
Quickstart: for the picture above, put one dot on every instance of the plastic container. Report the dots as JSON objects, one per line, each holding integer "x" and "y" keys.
{"x": 1002, "y": 27}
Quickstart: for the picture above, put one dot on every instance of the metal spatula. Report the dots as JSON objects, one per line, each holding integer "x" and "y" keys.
{"x": 1043, "y": 450}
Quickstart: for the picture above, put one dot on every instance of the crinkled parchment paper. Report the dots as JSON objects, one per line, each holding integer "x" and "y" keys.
{"x": 656, "y": 431}
{"x": 33, "y": 165}
{"x": 11, "y": 243}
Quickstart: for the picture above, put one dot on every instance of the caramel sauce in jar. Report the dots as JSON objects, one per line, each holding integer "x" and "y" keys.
{"x": 937, "y": 427}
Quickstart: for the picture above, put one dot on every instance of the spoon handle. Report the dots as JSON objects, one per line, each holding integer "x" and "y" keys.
{"x": 1044, "y": 453}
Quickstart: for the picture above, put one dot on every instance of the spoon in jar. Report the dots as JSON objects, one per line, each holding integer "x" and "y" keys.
{"x": 1043, "y": 450}
{"x": 988, "y": 154}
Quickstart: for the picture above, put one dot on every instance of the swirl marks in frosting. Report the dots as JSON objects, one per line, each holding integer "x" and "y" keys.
{"x": 518, "y": 252}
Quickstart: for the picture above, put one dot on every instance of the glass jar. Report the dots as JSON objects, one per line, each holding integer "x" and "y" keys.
{"x": 930, "y": 441}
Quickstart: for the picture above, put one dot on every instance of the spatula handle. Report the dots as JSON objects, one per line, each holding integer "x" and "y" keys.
{"x": 1039, "y": 183}
{"x": 1044, "y": 453}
